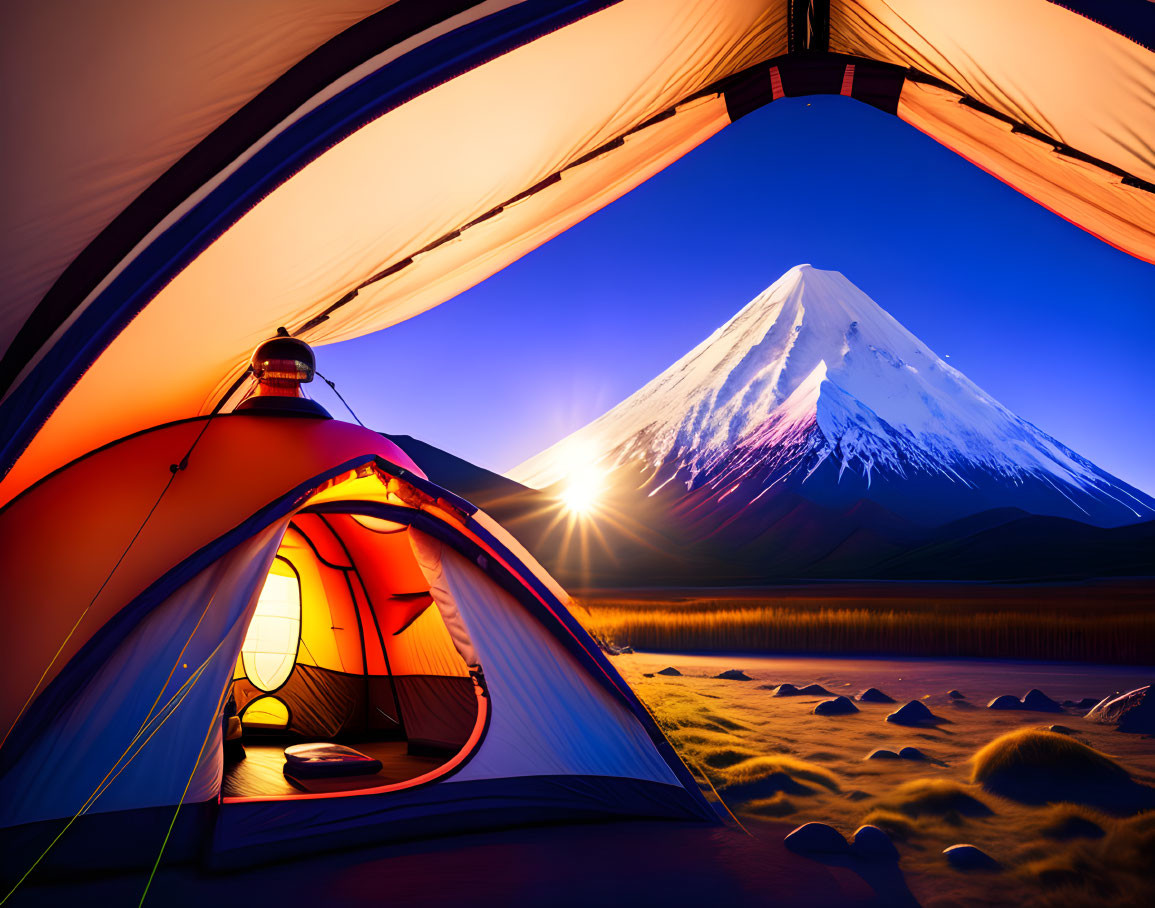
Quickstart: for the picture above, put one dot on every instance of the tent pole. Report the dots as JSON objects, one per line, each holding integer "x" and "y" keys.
{"x": 364, "y": 654}
{"x": 384, "y": 649}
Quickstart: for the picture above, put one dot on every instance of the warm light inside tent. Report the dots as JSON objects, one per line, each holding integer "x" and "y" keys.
{"x": 270, "y": 646}
{"x": 378, "y": 525}
{"x": 267, "y": 712}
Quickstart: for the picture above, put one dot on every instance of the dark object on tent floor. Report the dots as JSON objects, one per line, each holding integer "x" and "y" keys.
{"x": 327, "y": 761}
{"x": 261, "y": 773}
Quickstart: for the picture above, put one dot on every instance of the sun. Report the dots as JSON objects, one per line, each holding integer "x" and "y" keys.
{"x": 581, "y": 493}
{"x": 582, "y": 486}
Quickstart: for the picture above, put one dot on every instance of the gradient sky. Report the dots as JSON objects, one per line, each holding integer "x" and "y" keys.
{"x": 1052, "y": 322}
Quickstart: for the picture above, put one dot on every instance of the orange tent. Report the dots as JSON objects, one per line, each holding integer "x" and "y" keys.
{"x": 304, "y": 570}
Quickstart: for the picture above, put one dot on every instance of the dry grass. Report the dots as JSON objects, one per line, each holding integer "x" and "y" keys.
{"x": 935, "y": 797}
{"x": 1113, "y": 870}
{"x": 758, "y": 777}
{"x": 1040, "y": 767}
{"x": 896, "y": 825}
{"x": 1031, "y": 752}
{"x": 774, "y": 808}
{"x": 771, "y": 760}
{"x": 1070, "y": 821}
{"x": 946, "y": 628}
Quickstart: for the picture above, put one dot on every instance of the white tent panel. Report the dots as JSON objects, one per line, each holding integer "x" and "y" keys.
{"x": 138, "y": 732}
{"x": 548, "y": 716}
{"x": 522, "y": 554}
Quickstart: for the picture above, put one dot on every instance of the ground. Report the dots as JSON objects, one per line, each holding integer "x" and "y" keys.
{"x": 777, "y": 765}
{"x": 772, "y": 757}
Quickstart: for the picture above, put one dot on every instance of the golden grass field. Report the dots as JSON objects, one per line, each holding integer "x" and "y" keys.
{"x": 1110, "y": 623}
{"x": 772, "y": 758}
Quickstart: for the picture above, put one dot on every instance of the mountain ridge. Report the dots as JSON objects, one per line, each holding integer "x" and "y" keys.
{"x": 812, "y": 375}
{"x": 1001, "y": 545}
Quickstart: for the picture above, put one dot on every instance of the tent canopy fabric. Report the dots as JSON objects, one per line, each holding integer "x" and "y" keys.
{"x": 210, "y": 172}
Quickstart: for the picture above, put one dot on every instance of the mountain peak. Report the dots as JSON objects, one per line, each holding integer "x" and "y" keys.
{"x": 812, "y": 371}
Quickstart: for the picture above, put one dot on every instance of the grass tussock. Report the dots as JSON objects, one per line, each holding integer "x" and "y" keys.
{"x": 896, "y": 825}
{"x": 1071, "y": 821}
{"x": 735, "y": 760}
{"x": 701, "y": 739}
{"x": 1115, "y": 869}
{"x": 775, "y": 808}
{"x": 681, "y": 711}
{"x": 1040, "y": 767}
{"x": 935, "y": 797}
{"x": 1033, "y": 750}
{"x": 726, "y": 757}
{"x": 765, "y": 776}
{"x": 944, "y": 629}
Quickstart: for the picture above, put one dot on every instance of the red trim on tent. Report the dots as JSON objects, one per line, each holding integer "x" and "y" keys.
{"x": 776, "y": 83}
{"x": 848, "y": 81}
{"x": 445, "y": 769}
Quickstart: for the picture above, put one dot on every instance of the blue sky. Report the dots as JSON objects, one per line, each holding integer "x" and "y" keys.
{"x": 1054, "y": 323}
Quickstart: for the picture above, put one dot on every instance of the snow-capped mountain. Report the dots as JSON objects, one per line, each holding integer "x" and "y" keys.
{"x": 814, "y": 392}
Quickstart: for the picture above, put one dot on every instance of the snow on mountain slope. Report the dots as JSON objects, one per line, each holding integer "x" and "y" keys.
{"x": 813, "y": 374}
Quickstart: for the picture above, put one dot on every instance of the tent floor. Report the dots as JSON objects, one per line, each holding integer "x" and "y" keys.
{"x": 260, "y": 773}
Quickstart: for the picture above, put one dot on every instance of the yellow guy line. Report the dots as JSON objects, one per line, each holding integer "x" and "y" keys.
{"x": 92, "y": 601}
{"x": 101, "y": 786}
{"x": 733, "y": 816}
{"x": 184, "y": 794}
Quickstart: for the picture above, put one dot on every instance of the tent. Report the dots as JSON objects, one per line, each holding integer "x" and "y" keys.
{"x": 307, "y": 569}
{"x": 180, "y": 180}
{"x": 212, "y": 171}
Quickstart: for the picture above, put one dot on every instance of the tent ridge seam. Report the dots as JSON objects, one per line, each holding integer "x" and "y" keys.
{"x": 1061, "y": 148}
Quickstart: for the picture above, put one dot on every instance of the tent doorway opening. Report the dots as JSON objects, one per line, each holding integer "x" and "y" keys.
{"x": 347, "y": 646}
